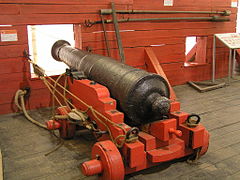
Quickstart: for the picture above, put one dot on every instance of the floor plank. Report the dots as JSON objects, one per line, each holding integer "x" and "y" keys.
{"x": 24, "y": 145}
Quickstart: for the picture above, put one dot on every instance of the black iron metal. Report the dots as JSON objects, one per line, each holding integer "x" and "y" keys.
{"x": 109, "y": 11}
{"x": 133, "y": 132}
{"x": 105, "y": 36}
{"x": 117, "y": 33}
{"x": 196, "y": 119}
{"x": 89, "y": 23}
{"x": 142, "y": 96}
{"x": 74, "y": 74}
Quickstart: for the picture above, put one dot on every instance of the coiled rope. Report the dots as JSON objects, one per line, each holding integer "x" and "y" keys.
{"x": 20, "y": 96}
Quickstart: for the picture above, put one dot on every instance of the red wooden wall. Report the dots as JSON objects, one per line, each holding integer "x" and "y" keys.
{"x": 15, "y": 73}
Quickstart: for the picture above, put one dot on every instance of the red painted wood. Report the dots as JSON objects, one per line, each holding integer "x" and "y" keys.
{"x": 191, "y": 53}
{"x": 141, "y": 4}
{"x": 18, "y": 76}
{"x": 41, "y": 95}
{"x": 130, "y": 55}
{"x": 66, "y": 9}
{"x": 46, "y": 19}
{"x": 77, "y": 28}
{"x": 85, "y": 2}
{"x": 21, "y": 33}
{"x": 175, "y": 73}
{"x": 201, "y": 50}
{"x": 217, "y": 3}
{"x": 221, "y": 53}
{"x": 158, "y": 33}
{"x": 168, "y": 56}
{"x": 14, "y": 65}
{"x": 12, "y": 51}
{"x": 132, "y": 42}
{"x": 159, "y": 25}
{"x": 179, "y": 3}
{"x": 9, "y": 9}
{"x": 198, "y": 73}
{"x": 171, "y": 35}
{"x": 36, "y": 84}
{"x": 6, "y": 98}
{"x": 33, "y": 104}
{"x": 204, "y": 72}
{"x": 12, "y": 86}
{"x": 7, "y": 108}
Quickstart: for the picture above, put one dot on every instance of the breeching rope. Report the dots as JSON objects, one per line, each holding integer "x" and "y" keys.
{"x": 20, "y": 95}
{"x": 89, "y": 108}
{"x": 118, "y": 141}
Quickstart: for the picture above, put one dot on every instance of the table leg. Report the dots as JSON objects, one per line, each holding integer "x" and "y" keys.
{"x": 234, "y": 62}
{"x": 214, "y": 59}
{"x": 229, "y": 65}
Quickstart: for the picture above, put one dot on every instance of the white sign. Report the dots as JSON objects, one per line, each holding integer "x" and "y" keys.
{"x": 231, "y": 40}
{"x": 234, "y": 3}
{"x": 168, "y": 2}
{"x": 8, "y": 35}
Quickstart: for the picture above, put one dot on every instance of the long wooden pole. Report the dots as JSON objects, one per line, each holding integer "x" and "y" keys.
{"x": 1, "y": 166}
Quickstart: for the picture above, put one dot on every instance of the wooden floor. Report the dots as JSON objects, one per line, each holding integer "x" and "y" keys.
{"x": 24, "y": 145}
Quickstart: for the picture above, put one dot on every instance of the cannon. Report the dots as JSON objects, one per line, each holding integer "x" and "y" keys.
{"x": 129, "y": 111}
{"x": 141, "y": 95}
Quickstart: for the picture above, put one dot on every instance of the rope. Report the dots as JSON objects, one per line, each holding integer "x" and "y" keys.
{"x": 16, "y": 98}
{"x": 61, "y": 142}
{"x": 95, "y": 113}
{"x": 64, "y": 92}
{"x": 20, "y": 95}
{"x": 56, "y": 91}
{"x": 193, "y": 159}
{"x": 52, "y": 91}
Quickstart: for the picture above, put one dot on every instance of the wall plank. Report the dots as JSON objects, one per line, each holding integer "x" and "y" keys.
{"x": 163, "y": 33}
{"x": 21, "y": 35}
{"x": 158, "y": 26}
{"x": 134, "y": 42}
{"x": 9, "y": 9}
{"x": 85, "y": 2}
{"x": 46, "y": 19}
{"x": 170, "y": 36}
{"x": 14, "y": 65}
{"x": 65, "y": 9}
{"x": 12, "y": 51}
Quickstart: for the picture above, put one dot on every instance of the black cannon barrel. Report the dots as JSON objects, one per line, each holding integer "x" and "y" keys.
{"x": 141, "y": 95}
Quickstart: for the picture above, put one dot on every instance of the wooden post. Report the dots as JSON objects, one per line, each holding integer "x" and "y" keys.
{"x": 201, "y": 51}
{"x": 1, "y": 166}
{"x": 77, "y": 35}
{"x": 34, "y": 44}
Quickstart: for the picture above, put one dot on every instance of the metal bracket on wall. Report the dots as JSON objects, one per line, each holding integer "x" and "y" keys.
{"x": 105, "y": 36}
{"x": 117, "y": 33}
{"x": 205, "y": 86}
